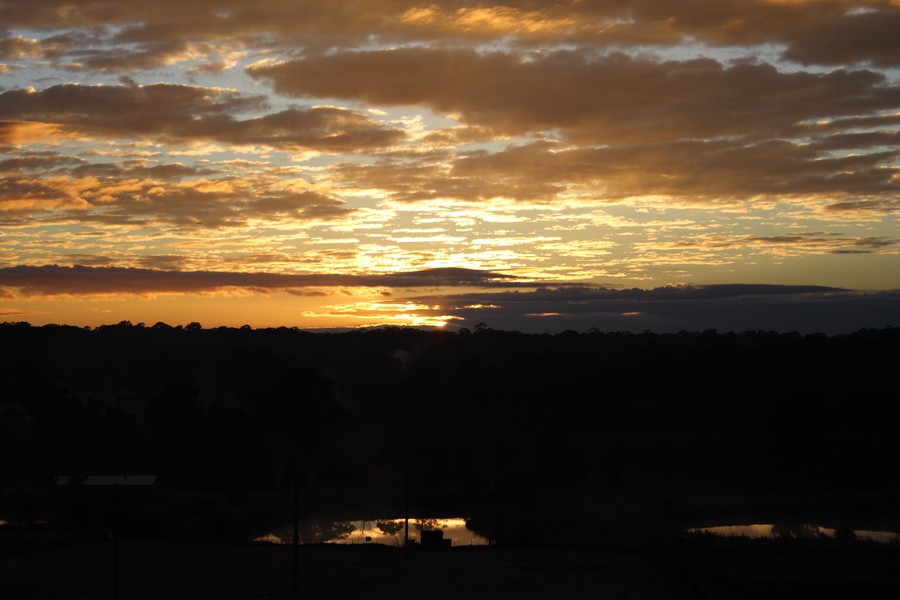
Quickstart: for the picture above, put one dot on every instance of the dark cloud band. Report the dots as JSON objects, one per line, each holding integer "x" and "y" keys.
{"x": 77, "y": 280}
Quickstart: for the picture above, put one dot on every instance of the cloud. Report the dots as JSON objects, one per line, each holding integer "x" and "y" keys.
{"x": 612, "y": 99}
{"x": 17, "y": 132}
{"x": 42, "y": 161}
{"x": 870, "y": 36}
{"x": 446, "y": 177}
{"x": 116, "y": 59}
{"x": 185, "y": 114}
{"x": 713, "y": 170}
{"x": 865, "y": 206}
{"x": 672, "y": 309}
{"x": 151, "y": 35}
{"x": 803, "y": 243}
{"x": 15, "y": 312}
{"x": 77, "y": 280}
{"x": 18, "y": 47}
{"x": 137, "y": 169}
{"x": 140, "y": 195}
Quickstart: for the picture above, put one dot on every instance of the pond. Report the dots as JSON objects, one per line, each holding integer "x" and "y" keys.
{"x": 796, "y": 531}
{"x": 378, "y": 531}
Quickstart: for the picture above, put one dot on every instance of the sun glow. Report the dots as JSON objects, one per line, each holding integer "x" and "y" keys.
{"x": 386, "y": 313}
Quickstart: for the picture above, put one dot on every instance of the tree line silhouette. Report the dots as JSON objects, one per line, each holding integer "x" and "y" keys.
{"x": 250, "y": 410}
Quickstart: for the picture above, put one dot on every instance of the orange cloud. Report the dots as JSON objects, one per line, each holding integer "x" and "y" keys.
{"x": 141, "y": 195}
{"x": 613, "y": 99}
{"x": 157, "y": 34}
{"x": 180, "y": 113}
{"x": 19, "y": 132}
{"x": 712, "y": 171}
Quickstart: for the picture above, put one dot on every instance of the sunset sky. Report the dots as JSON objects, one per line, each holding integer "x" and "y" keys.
{"x": 532, "y": 165}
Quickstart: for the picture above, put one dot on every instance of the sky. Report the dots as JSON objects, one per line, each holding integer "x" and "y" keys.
{"x": 530, "y": 165}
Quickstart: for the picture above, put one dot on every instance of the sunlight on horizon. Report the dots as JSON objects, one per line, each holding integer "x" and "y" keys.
{"x": 369, "y": 532}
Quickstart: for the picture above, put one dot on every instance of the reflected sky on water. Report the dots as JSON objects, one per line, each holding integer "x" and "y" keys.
{"x": 795, "y": 531}
{"x": 378, "y": 531}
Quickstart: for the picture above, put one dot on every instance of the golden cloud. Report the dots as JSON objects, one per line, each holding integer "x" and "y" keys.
{"x": 186, "y": 114}
{"x": 148, "y": 35}
{"x": 611, "y": 99}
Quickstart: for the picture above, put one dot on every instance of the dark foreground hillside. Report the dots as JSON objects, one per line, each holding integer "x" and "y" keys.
{"x": 244, "y": 410}
{"x": 586, "y": 459}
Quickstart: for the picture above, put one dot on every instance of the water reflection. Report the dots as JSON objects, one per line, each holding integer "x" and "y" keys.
{"x": 796, "y": 531}
{"x": 379, "y": 531}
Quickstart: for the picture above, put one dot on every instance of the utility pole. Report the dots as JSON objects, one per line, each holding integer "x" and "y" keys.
{"x": 114, "y": 533}
{"x": 406, "y": 509}
{"x": 295, "y": 541}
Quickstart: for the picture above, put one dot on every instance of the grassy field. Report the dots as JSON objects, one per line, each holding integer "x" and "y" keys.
{"x": 687, "y": 568}
{"x": 619, "y": 546}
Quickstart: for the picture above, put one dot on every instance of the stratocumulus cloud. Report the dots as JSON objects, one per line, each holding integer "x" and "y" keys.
{"x": 732, "y": 307}
{"x": 178, "y": 113}
{"x": 76, "y": 280}
{"x": 168, "y": 30}
{"x": 610, "y": 99}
